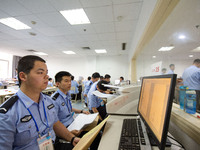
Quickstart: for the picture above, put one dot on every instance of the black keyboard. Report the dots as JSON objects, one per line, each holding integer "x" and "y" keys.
{"x": 130, "y": 140}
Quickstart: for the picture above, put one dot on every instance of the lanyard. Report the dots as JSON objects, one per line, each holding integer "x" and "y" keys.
{"x": 66, "y": 103}
{"x": 34, "y": 118}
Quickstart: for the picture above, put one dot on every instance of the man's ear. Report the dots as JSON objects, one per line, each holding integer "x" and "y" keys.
{"x": 22, "y": 76}
{"x": 57, "y": 84}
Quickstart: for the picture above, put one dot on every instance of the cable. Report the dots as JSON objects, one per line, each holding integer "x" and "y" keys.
{"x": 176, "y": 141}
{"x": 116, "y": 114}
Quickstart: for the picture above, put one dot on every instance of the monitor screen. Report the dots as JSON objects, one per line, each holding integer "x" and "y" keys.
{"x": 155, "y": 103}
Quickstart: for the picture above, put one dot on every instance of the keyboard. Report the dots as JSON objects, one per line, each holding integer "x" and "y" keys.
{"x": 132, "y": 135}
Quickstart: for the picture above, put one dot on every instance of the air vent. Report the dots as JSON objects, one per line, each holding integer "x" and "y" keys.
{"x": 31, "y": 50}
{"x": 123, "y": 46}
{"x": 86, "y": 48}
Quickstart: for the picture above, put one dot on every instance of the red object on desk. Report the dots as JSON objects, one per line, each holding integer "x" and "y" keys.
{"x": 198, "y": 116}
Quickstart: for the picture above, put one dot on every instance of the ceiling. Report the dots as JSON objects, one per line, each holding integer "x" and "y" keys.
{"x": 113, "y": 22}
{"x": 184, "y": 20}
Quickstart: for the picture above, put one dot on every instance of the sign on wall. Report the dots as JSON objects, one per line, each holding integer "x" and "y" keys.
{"x": 156, "y": 68}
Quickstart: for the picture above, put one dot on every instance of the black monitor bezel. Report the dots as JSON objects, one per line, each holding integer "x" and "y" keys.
{"x": 161, "y": 144}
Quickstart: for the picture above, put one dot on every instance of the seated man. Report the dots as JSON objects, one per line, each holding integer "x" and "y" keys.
{"x": 96, "y": 104}
{"x": 29, "y": 118}
{"x": 62, "y": 100}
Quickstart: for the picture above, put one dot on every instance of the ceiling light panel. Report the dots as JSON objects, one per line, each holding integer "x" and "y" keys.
{"x": 166, "y": 48}
{"x": 69, "y": 52}
{"x": 40, "y": 53}
{"x": 14, "y": 23}
{"x": 100, "y": 51}
{"x": 75, "y": 16}
{"x": 196, "y": 49}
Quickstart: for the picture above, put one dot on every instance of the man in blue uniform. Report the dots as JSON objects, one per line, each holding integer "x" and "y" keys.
{"x": 62, "y": 99}
{"x": 171, "y": 69}
{"x": 95, "y": 78}
{"x": 191, "y": 78}
{"x": 107, "y": 78}
{"x": 29, "y": 118}
{"x": 96, "y": 104}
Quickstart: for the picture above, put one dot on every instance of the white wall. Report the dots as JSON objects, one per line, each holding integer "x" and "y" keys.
{"x": 116, "y": 66}
{"x": 143, "y": 65}
{"x": 9, "y": 58}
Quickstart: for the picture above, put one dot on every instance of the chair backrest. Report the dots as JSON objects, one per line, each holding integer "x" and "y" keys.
{"x": 73, "y": 88}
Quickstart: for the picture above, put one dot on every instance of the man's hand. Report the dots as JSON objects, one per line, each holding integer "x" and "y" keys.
{"x": 86, "y": 112}
{"x": 76, "y": 132}
{"x": 76, "y": 140}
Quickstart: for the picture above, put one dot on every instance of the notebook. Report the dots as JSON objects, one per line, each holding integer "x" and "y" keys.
{"x": 154, "y": 109}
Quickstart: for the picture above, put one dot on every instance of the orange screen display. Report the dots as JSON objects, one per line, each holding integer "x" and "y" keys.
{"x": 153, "y": 103}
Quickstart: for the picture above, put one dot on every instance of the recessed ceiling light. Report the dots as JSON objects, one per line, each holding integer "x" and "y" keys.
{"x": 181, "y": 37}
{"x": 100, "y": 51}
{"x": 196, "y": 49}
{"x": 75, "y": 16}
{"x": 166, "y": 48}
{"x": 69, "y": 52}
{"x": 191, "y": 55}
{"x": 14, "y": 23}
{"x": 40, "y": 53}
{"x": 153, "y": 56}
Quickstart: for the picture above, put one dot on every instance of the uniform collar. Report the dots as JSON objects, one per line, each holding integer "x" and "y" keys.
{"x": 28, "y": 101}
{"x": 62, "y": 94}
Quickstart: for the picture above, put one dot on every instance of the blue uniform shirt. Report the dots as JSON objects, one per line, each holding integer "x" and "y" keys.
{"x": 74, "y": 84}
{"x": 87, "y": 88}
{"x": 17, "y": 128}
{"x": 170, "y": 72}
{"x": 191, "y": 77}
{"x": 94, "y": 101}
{"x": 64, "y": 107}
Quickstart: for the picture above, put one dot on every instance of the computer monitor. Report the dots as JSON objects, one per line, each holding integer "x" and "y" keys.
{"x": 155, "y": 103}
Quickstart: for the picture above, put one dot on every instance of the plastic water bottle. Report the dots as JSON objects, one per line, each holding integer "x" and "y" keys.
{"x": 190, "y": 102}
{"x": 182, "y": 96}
{"x": 102, "y": 102}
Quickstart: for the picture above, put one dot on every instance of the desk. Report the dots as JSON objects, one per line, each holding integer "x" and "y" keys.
{"x": 113, "y": 131}
{"x": 11, "y": 91}
{"x": 127, "y": 103}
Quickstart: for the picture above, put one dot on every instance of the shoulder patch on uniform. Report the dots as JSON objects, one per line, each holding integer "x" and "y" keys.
{"x": 8, "y": 104}
{"x": 50, "y": 106}
{"x": 26, "y": 118}
{"x": 55, "y": 96}
{"x": 63, "y": 104}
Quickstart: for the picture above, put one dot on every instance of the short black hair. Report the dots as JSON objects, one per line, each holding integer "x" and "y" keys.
{"x": 96, "y": 75}
{"x": 122, "y": 78}
{"x": 89, "y": 78}
{"x": 101, "y": 77}
{"x": 171, "y": 65}
{"x": 59, "y": 75}
{"x": 72, "y": 77}
{"x": 50, "y": 79}
{"x": 196, "y": 61}
{"x": 101, "y": 86}
{"x": 26, "y": 63}
{"x": 107, "y": 76}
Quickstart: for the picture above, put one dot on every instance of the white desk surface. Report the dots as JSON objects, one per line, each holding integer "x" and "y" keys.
{"x": 111, "y": 135}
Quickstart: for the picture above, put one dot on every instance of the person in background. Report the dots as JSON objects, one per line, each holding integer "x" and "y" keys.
{"x": 107, "y": 78}
{"x": 16, "y": 77}
{"x": 30, "y": 116}
{"x": 95, "y": 78}
{"x": 96, "y": 104}
{"x": 50, "y": 82}
{"x": 171, "y": 69}
{"x": 121, "y": 79}
{"x": 164, "y": 70}
{"x": 75, "y": 85}
{"x": 191, "y": 79}
{"x": 88, "y": 80}
{"x": 101, "y": 78}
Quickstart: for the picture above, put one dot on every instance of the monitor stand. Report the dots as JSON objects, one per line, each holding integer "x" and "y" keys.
{"x": 152, "y": 140}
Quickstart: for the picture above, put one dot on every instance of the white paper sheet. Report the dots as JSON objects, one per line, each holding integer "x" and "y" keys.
{"x": 81, "y": 121}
